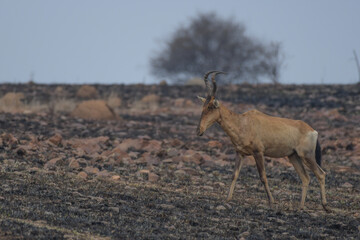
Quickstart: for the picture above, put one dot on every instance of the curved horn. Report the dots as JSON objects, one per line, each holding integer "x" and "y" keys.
{"x": 214, "y": 82}
{"x": 207, "y": 84}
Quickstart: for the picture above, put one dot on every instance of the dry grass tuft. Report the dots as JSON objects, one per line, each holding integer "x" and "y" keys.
{"x": 93, "y": 109}
{"x": 114, "y": 101}
{"x": 35, "y": 106}
{"x": 63, "y": 105}
{"x": 87, "y": 92}
{"x": 12, "y": 102}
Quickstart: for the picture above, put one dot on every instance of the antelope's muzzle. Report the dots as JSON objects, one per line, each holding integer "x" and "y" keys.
{"x": 199, "y": 133}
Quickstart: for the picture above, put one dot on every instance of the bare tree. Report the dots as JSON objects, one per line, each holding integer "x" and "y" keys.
{"x": 210, "y": 42}
{"x": 275, "y": 61}
{"x": 357, "y": 63}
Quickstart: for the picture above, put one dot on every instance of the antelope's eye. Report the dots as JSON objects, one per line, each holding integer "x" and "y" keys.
{"x": 211, "y": 107}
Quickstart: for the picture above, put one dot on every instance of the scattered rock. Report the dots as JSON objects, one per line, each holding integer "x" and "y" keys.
{"x": 8, "y": 140}
{"x": 347, "y": 185}
{"x": 51, "y": 164}
{"x": 77, "y": 163}
{"x": 245, "y": 234}
{"x": 176, "y": 143}
{"x": 334, "y": 114}
{"x": 219, "y": 184}
{"x": 180, "y": 173}
{"x": 143, "y": 173}
{"x": 153, "y": 146}
{"x": 91, "y": 170}
{"x": 149, "y": 159}
{"x": 116, "y": 153}
{"x": 74, "y": 163}
{"x": 167, "y": 206}
{"x": 344, "y": 169}
{"x": 249, "y": 161}
{"x": 355, "y": 160}
{"x": 136, "y": 144}
{"x": 172, "y": 152}
{"x": 214, "y": 144}
{"x": 56, "y": 139}
{"x": 153, "y": 177}
{"x": 192, "y": 156}
{"x": 190, "y": 171}
{"x": 168, "y": 160}
{"x": 282, "y": 161}
{"x": 208, "y": 188}
{"x": 82, "y": 175}
{"x": 180, "y": 166}
{"x": 220, "y": 208}
{"x": 33, "y": 170}
{"x": 103, "y": 174}
{"x": 115, "y": 178}
{"x": 115, "y": 209}
{"x": 133, "y": 154}
{"x": 88, "y": 145}
{"x": 147, "y": 175}
{"x": 213, "y": 163}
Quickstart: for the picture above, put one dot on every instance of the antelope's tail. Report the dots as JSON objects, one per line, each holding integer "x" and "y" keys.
{"x": 318, "y": 153}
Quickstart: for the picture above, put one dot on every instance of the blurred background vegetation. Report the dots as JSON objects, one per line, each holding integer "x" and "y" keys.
{"x": 211, "y": 42}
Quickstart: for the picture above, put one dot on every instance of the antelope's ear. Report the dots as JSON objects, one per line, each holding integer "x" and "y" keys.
{"x": 202, "y": 99}
{"x": 216, "y": 103}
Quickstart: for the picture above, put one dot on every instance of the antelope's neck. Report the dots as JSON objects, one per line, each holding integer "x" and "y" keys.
{"x": 229, "y": 122}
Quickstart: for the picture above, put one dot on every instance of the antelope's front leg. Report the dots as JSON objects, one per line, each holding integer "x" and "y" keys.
{"x": 238, "y": 164}
{"x": 259, "y": 159}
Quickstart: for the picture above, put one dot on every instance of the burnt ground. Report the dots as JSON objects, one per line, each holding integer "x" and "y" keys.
{"x": 147, "y": 175}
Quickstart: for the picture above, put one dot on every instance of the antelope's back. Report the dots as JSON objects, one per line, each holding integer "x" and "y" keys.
{"x": 279, "y": 137}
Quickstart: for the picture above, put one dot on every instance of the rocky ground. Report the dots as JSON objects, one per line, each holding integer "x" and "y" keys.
{"x": 134, "y": 168}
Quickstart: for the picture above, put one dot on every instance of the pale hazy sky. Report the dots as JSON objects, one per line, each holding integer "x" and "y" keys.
{"x": 87, "y": 41}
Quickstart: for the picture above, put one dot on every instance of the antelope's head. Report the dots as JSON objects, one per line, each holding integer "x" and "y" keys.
{"x": 210, "y": 113}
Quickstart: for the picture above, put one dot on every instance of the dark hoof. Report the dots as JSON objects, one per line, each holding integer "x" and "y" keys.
{"x": 326, "y": 208}
{"x": 300, "y": 209}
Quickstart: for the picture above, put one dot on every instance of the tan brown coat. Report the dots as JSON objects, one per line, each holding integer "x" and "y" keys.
{"x": 257, "y": 134}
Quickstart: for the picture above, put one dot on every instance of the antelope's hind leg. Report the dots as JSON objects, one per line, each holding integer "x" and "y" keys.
{"x": 304, "y": 176}
{"x": 238, "y": 164}
{"x": 259, "y": 159}
{"x": 320, "y": 175}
